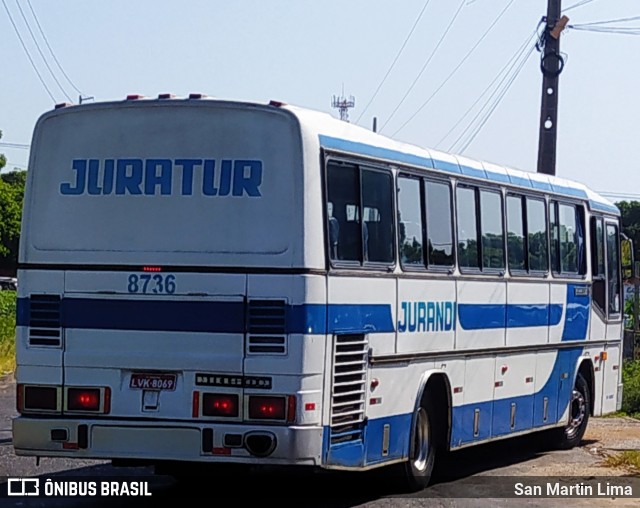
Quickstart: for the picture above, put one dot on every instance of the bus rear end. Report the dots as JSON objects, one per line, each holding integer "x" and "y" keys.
{"x": 162, "y": 287}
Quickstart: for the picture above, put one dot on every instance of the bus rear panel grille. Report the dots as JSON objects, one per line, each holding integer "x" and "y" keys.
{"x": 44, "y": 321}
{"x": 266, "y": 327}
{"x": 348, "y": 388}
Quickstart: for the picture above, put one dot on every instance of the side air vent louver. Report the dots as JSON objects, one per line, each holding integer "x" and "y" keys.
{"x": 348, "y": 388}
{"x": 267, "y": 327}
{"x": 44, "y": 321}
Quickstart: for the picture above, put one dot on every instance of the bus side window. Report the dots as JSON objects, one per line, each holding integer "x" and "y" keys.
{"x": 377, "y": 223}
{"x": 343, "y": 217}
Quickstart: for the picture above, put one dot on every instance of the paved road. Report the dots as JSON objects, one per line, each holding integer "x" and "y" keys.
{"x": 478, "y": 472}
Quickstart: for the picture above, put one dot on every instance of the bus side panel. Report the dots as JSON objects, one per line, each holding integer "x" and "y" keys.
{"x": 481, "y": 314}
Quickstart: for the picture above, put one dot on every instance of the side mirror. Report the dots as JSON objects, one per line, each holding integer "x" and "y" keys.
{"x": 626, "y": 251}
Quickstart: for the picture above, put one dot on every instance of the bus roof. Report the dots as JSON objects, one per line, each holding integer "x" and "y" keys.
{"x": 342, "y": 136}
{"x": 337, "y": 135}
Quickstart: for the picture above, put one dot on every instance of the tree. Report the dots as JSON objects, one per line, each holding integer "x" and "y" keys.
{"x": 630, "y": 212}
{"x": 3, "y": 159}
{"x": 11, "y": 197}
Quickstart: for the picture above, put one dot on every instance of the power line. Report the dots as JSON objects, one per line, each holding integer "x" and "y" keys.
{"x": 509, "y": 63}
{"x": 442, "y": 38}
{"x": 394, "y": 60}
{"x": 27, "y": 52}
{"x": 446, "y": 80}
{"x": 499, "y": 94}
{"x": 618, "y": 195}
{"x": 610, "y": 21}
{"x": 15, "y": 145}
{"x": 577, "y": 4}
{"x": 607, "y": 30}
{"x": 55, "y": 59}
{"x": 46, "y": 63}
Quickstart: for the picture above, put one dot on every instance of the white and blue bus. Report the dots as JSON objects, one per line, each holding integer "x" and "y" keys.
{"x": 207, "y": 281}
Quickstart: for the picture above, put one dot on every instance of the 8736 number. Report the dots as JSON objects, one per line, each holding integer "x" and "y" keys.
{"x": 152, "y": 283}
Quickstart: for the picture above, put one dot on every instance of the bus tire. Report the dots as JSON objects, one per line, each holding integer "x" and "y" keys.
{"x": 571, "y": 435}
{"x": 422, "y": 451}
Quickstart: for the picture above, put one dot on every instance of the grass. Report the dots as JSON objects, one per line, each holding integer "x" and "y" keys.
{"x": 7, "y": 331}
{"x": 627, "y": 460}
{"x": 631, "y": 388}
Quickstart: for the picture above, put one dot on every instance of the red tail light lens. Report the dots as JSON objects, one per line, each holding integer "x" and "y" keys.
{"x": 34, "y": 398}
{"x": 267, "y": 408}
{"x": 83, "y": 399}
{"x": 219, "y": 404}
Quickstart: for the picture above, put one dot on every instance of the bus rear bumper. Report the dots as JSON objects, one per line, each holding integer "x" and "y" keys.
{"x": 175, "y": 441}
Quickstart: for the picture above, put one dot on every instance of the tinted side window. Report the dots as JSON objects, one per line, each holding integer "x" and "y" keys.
{"x": 537, "y": 235}
{"x": 568, "y": 238}
{"x": 439, "y": 224}
{"x": 343, "y": 204}
{"x": 410, "y": 222}
{"x": 377, "y": 230}
{"x": 515, "y": 233}
{"x": 467, "y": 228}
{"x": 492, "y": 230}
{"x": 555, "y": 236}
{"x": 613, "y": 268}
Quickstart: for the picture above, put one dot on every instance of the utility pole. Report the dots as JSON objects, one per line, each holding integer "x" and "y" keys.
{"x": 551, "y": 65}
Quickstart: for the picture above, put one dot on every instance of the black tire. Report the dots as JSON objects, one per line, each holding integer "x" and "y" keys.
{"x": 422, "y": 449}
{"x": 579, "y": 409}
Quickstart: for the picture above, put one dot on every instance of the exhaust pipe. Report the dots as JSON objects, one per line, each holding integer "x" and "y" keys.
{"x": 260, "y": 444}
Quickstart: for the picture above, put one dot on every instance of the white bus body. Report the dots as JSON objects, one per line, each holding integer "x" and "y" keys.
{"x": 186, "y": 295}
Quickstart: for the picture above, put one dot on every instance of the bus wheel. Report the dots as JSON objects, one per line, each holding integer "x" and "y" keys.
{"x": 571, "y": 435}
{"x": 422, "y": 453}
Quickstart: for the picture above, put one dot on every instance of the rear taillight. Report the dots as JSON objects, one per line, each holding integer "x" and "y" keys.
{"x": 83, "y": 399}
{"x": 33, "y": 399}
{"x": 88, "y": 400}
{"x": 267, "y": 408}
{"x": 219, "y": 404}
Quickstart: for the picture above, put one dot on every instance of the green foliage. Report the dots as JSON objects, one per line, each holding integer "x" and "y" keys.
{"x": 3, "y": 159}
{"x": 630, "y": 211}
{"x": 631, "y": 390}
{"x": 7, "y": 331}
{"x": 11, "y": 198}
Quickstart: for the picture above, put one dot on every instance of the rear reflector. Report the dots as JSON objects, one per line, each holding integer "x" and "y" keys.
{"x": 219, "y": 404}
{"x": 44, "y": 398}
{"x": 195, "y": 405}
{"x": 267, "y": 408}
{"x": 83, "y": 399}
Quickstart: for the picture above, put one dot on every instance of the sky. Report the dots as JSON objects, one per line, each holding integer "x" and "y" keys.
{"x": 304, "y": 52}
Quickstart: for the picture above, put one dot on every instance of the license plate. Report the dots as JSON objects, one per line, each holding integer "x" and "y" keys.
{"x": 143, "y": 381}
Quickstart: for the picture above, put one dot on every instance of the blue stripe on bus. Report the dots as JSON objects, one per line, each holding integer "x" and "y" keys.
{"x": 450, "y": 167}
{"x": 494, "y": 419}
{"x": 474, "y": 172}
{"x": 603, "y": 207}
{"x": 495, "y": 416}
{"x": 229, "y": 317}
{"x": 576, "y": 321}
{"x": 375, "y": 151}
{"x": 488, "y": 316}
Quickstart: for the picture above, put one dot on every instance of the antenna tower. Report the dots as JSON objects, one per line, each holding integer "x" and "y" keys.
{"x": 343, "y": 104}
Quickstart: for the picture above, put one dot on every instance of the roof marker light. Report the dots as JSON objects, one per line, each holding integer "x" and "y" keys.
{"x": 166, "y": 96}
{"x": 63, "y": 105}
{"x": 197, "y": 96}
{"x": 277, "y": 104}
{"x": 134, "y": 97}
